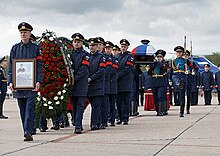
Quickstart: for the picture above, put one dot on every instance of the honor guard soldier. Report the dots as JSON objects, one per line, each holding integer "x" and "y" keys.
{"x": 158, "y": 82}
{"x": 80, "y": 65}
{"x": 96, "y": 81}
{"x": 125, "y": 80}
{"x": 217, "y": 83}
{"x": 26, "y": 50}
{"x": 3, "y": 85}
{"x": 105, "y": 100}
{"x": 207, "y": 83}
{"x": 191, "y": 72}
{"x": 179, "y": 76}
{"x": 112, "y": 66}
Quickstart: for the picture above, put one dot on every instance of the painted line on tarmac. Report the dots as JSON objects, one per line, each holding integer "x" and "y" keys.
{"x": 168, "y": 144}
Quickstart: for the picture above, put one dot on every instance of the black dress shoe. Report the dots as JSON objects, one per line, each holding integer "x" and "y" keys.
{"x": 135, "y": 114}
{"x": 56, "y": 127}
{"x": 78, "y": 131}
{"x": 62, "y": 125}
{"x": 112, "y": 124}
{"x": 94, "y": 127}
{"x": 181, "y": 115}
{"x": 187, "y": 112}
{"x": 102, "y": 127}
{"x": 3, "y": 117}
{"x": 125, "y": 123}
{"x": 165, "y": 113}
{"x": 43, "y": 130}
{"x": 119, "y": 122}
{"x": 28, "y": 137}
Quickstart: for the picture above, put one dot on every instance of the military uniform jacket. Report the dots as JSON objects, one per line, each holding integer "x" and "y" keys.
{"x": 217, "y": 80}
{"x": 3, "y": 80}
{"x": 97, "y": 74}
{"x": 26, "y": 51}
{"x": 207, "y": 80}
{"x": 178, "y": 66}
{"x": 80, "y": 59}
{"x": 145, "y": 81}
{"x": 114, "y": 76}
{"x": 191, "y": 66}
{"x": 125, "y": 75}
{"x": 158, "y": 71}
{"x": 108, "y": 69}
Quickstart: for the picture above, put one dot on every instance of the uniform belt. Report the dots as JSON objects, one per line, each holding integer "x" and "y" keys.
{"x": 4, "y": 80}
{"x": 157, "y": 75}
{"x": 179, "y": 71}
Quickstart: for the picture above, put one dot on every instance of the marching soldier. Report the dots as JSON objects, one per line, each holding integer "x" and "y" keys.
{"x": 217, "y": 83}
{"x": 105, "y": 100}
{"x": 112, "y": 64}
{"x": 125, "y": 80}
{"x": 179, "y": 76}
{"x": 96, "y": 81}
{"x": 26, "y": 50}
{"x": 158, "y": 82}
{"x": 80, "y": 60}
{"x": 207, "y": 83}
{"x": 3, "y": 85}
{"x": 191, "y": 72}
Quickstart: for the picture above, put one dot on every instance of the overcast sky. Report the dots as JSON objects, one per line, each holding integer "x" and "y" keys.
{"x": 163, "y": 22}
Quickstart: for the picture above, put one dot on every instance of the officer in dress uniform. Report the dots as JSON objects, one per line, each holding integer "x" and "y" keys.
{"x": 125, "y": 80}
{"x": 105, "y": 101}
{"x": 96, "y": 81}
{"x": 158, "y": 82}
{"x": 217, "y": 83}
{"x": 207, "y": 83}
{"x": 192, "y": 69}
{"x": 26, "y": 50}
{"x": 179, "y": 76}
{"x": 3, "y": 85}
{"x": 112, "y": 66}
{"x": 80, "y": 60}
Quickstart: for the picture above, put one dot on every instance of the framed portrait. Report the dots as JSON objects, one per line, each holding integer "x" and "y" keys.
{"x": 24, "y": 74}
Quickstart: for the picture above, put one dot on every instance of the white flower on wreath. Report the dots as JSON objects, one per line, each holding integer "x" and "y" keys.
{"x": 49, "y": 102}
{"x": 44, "y": 99}
{"x": 58, "y": 102}
{"x": 64, "y": 85}
{"x": 38, "y": 93}
{"x": 50, "y": 107}
{"x": 51, "y": 38}
{"x": 62, "y": 97}
{"x": 55, "y": 98}
{"x": 59, "y": 93}
{"x": 45, "y": 104}
{"x": 38, "y": 98}
{"x": 64, "y": 91}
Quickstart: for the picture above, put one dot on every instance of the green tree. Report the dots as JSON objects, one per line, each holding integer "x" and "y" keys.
{"x": 214, "y": 58}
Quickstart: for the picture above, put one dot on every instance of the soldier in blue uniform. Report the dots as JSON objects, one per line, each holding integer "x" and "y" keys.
{"x": 96, "y": 81}
{"x": 191, "y": 72}
{"x": 125, "y": 80}
{"x": 195, "y": 89}
{"x": 217, "y": 83}
{"x": 158, "y": 82}
{"x": 80, "y": 60}
{"x": 179, "y": 76}
{"x": 105, "y": 101}
{"x": 26, "y": 50}
{"x": 3, "y": 85}
{"x": 112, "y": 66}
{"x": 207, "y": 83}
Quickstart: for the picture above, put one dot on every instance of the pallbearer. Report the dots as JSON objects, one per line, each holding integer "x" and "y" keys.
{"x": 112, "y": 66}
{"x": 179, "y": 76}
{"x": 125, "y": 79}
{"x": 80, "y": 59}
{"x": 26, "y": 50}
{"x": 158, "y": 82}
{"x": 96, "y": 81}
{"x": 207, "y": 83}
